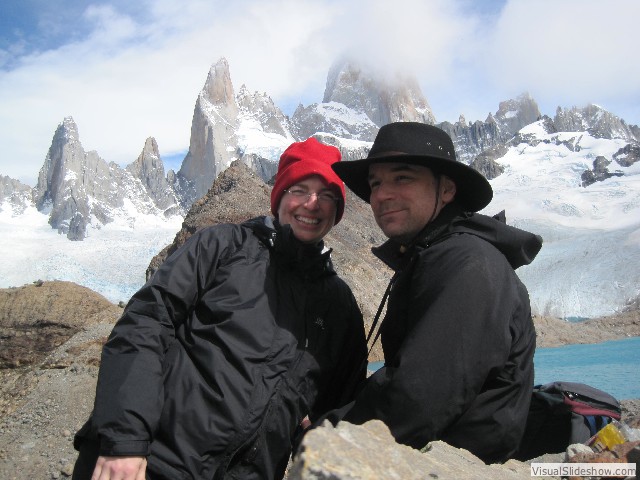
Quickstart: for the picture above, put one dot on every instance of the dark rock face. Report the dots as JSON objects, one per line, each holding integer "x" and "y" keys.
{"x": 599, "y": 173}
{"x": 627, "y": 155}
{"x": 486, "y": 163}
{"x": 470, "y": 140}
{"x": 514, "y": 114}
{"x": 34, "y": 319}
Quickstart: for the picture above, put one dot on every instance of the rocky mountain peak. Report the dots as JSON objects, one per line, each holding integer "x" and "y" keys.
{"x": 382, "y": 98}
{"x": 149, "y": 159}
{"x": 78, "y": 189}
{"x": 60, "y": 189}
{"x": 261, "y": 108}
{"x": 213, "y": 144}
{"x": 14, "y": 195}
{"x": 149, "y": 170}
{"x": 597, "y": 121}
{"x": 218, "y": 88}
{"x": 68, "y": 129}
{"x": 472, "y": 139}
{"x": 516, "y": 113}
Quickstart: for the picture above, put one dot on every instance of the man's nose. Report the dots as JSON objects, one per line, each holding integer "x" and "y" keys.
{"x": 382, "y": 192}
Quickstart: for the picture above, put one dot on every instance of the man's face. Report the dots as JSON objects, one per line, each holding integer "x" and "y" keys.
{"x": 311, "y": 217}
{"x": 405, "y": 197}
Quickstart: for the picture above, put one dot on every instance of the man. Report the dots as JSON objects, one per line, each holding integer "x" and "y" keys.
{"x": 458, "y": 337}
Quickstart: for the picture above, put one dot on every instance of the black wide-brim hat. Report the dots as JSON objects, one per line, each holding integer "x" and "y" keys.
{"x": 418, "y": 144}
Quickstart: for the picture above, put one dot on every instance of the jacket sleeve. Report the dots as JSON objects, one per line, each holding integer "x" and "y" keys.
{"x": 456, "y": 334}
{"x": 129, "y": 394}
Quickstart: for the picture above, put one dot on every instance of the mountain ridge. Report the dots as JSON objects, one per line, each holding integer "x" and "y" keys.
{"x": 568, "y": 185}
{"x": 227, "y": 126}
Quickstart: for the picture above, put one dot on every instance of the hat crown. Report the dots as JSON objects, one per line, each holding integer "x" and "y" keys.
{"x": 303, "y": 159}
{"x": 418, "y": 144}
{"x": 409, "y": 138}
{"x": 310, "y": 150}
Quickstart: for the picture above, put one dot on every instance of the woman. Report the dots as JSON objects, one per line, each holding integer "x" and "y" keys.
{"x": 240, "y": 334}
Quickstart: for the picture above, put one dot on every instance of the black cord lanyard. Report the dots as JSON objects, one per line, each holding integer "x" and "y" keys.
{"x": 385, "y": 297}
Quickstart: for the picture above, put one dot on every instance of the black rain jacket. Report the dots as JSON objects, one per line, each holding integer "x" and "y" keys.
{"x": 458, "y": 338}
{"x": 238, "y": 336}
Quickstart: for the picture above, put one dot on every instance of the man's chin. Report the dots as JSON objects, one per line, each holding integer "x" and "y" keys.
{"x": 397, "y": 235}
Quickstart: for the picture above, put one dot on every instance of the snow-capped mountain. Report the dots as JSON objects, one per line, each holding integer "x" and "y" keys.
{"x": 573, "y": 178}
{"x": 78, "y": 189}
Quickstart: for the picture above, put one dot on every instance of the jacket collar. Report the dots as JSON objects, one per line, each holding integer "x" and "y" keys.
{"x": 310, "y": 260}
{"x": 396, "y": 255}
{"x": 518, "y": 246}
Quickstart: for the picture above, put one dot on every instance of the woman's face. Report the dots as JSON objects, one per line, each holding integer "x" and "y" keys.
{"x": 309, "y": 206}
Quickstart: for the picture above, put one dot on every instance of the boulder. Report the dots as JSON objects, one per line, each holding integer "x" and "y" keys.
{"x": 369, "y": 452}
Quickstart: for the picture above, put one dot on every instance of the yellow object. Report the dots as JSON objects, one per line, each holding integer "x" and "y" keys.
{"x": 607, "y": 438}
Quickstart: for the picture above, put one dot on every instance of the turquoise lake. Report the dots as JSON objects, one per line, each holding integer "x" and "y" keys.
{"x": 610, "y": 366}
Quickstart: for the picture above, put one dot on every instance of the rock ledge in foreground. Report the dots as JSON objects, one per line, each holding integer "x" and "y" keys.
{"x": 369, "y": 452}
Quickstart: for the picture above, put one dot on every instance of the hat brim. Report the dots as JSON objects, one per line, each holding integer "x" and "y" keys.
{"x": 473, "y": 190}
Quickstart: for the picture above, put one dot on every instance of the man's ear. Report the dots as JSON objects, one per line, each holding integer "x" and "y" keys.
{"x": 447, "y": 189}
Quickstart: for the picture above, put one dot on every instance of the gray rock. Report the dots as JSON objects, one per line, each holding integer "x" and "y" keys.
{"x": 369, "y": 452}
{"x": 597, "y": 121}
{"x": 213, "y": 143}
{"x": 472, "y": 139}
{"x": 599, "y": 173}
{"x": 260, "y": 107}
{"x": 16, "y": 194}
{"x": 575, "y": 449}
{"x": 514, "y": 114}
{"x": 149, "y": 170}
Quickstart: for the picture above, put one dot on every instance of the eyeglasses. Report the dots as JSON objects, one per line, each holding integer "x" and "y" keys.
{"x": 325, "y": 198}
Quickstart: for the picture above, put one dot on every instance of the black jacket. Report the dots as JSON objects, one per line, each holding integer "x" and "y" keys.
{"x": 216, "y": 360}
{"x": 458, "y": 338}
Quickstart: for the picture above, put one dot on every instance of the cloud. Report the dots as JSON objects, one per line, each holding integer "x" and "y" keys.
{"x": 570, "y": 52}
{"x": 128, "y": 70}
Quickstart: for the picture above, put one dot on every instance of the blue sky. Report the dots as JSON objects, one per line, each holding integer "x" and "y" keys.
{"x": 129, "y": 70}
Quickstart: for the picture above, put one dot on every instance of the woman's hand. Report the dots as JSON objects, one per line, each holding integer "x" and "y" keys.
{"x": 120, "y": 468}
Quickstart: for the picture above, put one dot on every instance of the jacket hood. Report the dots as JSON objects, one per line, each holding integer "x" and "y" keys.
{"x": 518, "y": 246}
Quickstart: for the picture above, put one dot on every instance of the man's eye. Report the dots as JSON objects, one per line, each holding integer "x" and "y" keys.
{"x": 297, "y": 192}
{"x": 403, "y": 179}
{"x": 374, "y": 184}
